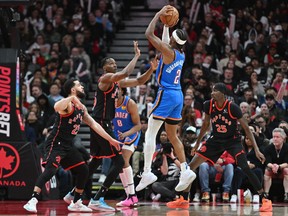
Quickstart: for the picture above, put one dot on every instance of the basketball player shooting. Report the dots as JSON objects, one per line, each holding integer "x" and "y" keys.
{"x": 169, "y": 101}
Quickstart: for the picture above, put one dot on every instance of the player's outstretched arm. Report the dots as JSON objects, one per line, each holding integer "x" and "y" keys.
{"x": 87, "y": 119}
{"x": 141, "y": 79}
{"x": 127, "y": 71}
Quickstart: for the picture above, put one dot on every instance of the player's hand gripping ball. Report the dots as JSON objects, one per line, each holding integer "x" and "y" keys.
{"x": 171, "y": 18}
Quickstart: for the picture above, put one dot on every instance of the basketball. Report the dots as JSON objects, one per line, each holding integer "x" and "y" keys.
{"x": 171, "y": 19}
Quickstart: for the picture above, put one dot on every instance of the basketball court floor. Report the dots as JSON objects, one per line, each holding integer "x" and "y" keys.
{"x": 59, "y": 207}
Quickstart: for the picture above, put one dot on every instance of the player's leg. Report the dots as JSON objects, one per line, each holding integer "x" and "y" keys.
{"x": 49, "y": 172}
{"x": 127, "y": 178}
{"x": 149, "y": 148}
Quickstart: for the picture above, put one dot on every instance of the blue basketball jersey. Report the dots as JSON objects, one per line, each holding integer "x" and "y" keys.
{"x": 122, "y": 121}
{"x": 168, "y": 76}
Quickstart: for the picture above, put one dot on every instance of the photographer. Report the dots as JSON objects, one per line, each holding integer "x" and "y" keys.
{"x": 167, "y": 168}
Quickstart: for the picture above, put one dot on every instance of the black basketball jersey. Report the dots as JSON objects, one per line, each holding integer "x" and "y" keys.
{"x": 66, "y": 127}
{"x": 104, "y": 103}
{"x": 223, "y": 119}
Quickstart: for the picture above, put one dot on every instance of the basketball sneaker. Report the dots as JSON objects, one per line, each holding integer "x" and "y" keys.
{"x": 68, "y": 198}
{"x": 266, "y": 205}
{"x": 186, "y": 178}
{"x": 129, "y": 202}
{"x": 225, "y": 196}
{"x": 100, "y": 205}
{"x": 147, "y": 179}
{"x": 178, "y": 203}
{"x": 31, "y": 205}
{"x": 78, "y": 207}
{"x": 196, "y": 197}
{"x": 205, "y": 197}
{"x": 119, "y": 204}
{"x": 233, "y": 198}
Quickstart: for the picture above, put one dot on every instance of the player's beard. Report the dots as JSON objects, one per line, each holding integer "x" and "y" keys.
{"x": 80, "y": 94}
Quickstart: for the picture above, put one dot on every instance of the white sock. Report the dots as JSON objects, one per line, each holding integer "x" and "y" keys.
{"x": 128, "y": 172}
{"x": 150, "y": 142}
{"x": 183, "y": 166}
{"x": 124, "y": 182}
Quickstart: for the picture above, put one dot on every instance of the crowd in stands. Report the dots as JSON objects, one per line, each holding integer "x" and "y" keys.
{"x": 240, "y": 43}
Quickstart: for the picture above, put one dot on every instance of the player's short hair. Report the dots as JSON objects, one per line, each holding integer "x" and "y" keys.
{"x": 68, "y": 85}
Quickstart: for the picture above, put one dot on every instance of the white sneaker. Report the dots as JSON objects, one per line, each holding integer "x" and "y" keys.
{"x": 78, "y": 207}
{"x": 68, "y": 198}
{"x": 100, "y": 205}
{"x": 256, "y": 199}
{"x": 196, "y": 197}
{"x": 233, "y": 198}
{"x": 147, "y": 179}
{"x": 31, "y": 205}
{"x": 186, "y": 178}
{"x": 102, "y": 178}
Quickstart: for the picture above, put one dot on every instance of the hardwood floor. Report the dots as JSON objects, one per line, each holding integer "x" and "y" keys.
{"x": 59, "y": 207}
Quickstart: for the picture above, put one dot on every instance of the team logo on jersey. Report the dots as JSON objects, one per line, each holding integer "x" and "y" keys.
{"x": 123, "y": 107}
{"x": 225, "y": 111}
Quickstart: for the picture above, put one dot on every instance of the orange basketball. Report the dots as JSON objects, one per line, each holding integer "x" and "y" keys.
{"x": 171, "y": 19}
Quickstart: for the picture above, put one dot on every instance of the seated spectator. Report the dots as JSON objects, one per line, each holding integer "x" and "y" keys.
{"x": 224, "y": 166}
{"x": 277, "y": 161}
{"x": 240, "y": 177}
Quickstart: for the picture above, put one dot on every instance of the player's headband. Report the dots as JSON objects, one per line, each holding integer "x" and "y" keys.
{"x": 177, "y": 39}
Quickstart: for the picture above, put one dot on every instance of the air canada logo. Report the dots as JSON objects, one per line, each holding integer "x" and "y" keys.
{"x": 9, "y": 160}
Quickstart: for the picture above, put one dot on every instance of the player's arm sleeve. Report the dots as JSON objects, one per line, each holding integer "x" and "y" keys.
{"x": 165, "y": 35}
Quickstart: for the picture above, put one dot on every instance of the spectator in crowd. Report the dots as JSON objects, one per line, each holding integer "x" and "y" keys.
{"x": 245, "y": 108}
{"x": 55, "y": 90}
{"x": 223, "y": 168}
{"x": 262, "y": 122}
{"x": 276, "y": 161}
